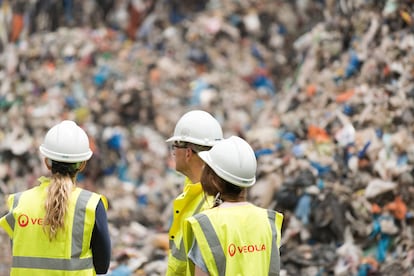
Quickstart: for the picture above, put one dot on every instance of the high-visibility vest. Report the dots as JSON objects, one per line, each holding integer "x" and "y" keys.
{"x": 236, "y": 240}
{"x": 33, "y": 252}
{"x": 188, "y": 203}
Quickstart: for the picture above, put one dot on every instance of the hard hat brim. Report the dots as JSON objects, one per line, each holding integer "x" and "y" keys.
{"x": 192, "y": 140}
{"x": 205, "y": 156}
{"x": 172, "y": 139}
{"x": 67, "y": 158}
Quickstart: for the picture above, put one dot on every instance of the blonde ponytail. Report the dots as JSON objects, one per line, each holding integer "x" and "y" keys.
{"x": 56, "y": 204}
{"x": 61, "y": 184}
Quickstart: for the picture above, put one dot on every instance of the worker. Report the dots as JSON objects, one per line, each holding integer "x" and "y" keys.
{"x": 235, "y": 237}
{"x": 57, "y": 228}
{"x": 195, "y": 131}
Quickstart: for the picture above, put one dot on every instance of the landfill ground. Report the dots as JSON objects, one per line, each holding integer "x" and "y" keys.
{"x": 322, "y": 90}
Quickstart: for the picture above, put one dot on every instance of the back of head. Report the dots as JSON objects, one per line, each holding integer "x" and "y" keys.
{"x": 233, "y": 160}
{"x": 66, "y": 142}
{"x": 66, "y": 146}
{"x": 197, "y": 127}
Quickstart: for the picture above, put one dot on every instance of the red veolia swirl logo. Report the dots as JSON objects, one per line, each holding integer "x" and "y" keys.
{"x": 232, "y": 249}
{"x": 245, "y": 249}
{"x": 23, "y": 220}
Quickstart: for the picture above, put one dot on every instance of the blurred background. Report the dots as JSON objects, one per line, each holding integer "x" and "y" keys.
{"x": 322, "y": 90}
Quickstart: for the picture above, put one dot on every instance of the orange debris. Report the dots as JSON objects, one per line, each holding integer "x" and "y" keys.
{"x": 397, "y": 208}
{"x": 345, "y": 96}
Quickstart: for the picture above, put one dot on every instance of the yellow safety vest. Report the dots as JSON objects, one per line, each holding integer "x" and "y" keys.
{"x": 236, "y": 240}
{"x": 188, "y": 203}
{"x": 33, "y": 253}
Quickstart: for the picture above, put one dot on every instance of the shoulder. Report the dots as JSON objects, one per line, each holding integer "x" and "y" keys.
{"x": 196, "y": 218}
{"x": 94, "y": 197}
{"x": 273, "y": 214}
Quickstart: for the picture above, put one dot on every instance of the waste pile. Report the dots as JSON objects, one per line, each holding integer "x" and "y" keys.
{"x": 323, "y": 91}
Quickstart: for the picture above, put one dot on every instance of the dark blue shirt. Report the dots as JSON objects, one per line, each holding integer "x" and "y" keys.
{"x": 101, "y": 242}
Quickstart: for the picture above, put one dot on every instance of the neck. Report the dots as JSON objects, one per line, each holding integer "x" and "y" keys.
{"x": 194, "y": 173}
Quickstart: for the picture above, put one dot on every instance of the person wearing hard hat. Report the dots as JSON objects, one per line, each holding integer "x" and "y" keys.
{"x": 57, "y": 228}
{"x": 234, "y": 237}
{"x": 195, "y": 131}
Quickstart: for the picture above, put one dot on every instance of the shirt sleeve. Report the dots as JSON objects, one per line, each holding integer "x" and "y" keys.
{"x": 101, "y": 242}
{"x": 195, "y": 256}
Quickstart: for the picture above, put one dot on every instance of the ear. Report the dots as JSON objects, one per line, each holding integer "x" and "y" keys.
{"x": 48, "y": 163}
{"x": 188, "y": 152}
{"x": 82, "y": 166}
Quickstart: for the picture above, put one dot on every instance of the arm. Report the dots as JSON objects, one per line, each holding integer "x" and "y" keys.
{"x": 199, "y": 272}
{"x": 101, "y": 243}
{"x": 195, "y": 257}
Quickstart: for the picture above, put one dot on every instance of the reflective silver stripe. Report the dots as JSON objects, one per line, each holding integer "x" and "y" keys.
{"x": 52, "y": 264}
{"x": 16, "y": 199}
{"x": 197, "y": 210}
{"x": 9, "y": 217}
{"x": 179, "y": 253}
{"x": 274, "y": 257}
{"x": 79, "y": 223}
{"x": 77, "y": 239}
{"x": 213, "y": 243}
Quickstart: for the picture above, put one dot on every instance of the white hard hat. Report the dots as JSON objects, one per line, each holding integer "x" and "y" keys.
{"x": 233, "y": 160}
{"x": 66, "y": 142}
{"x": 197, "y": 127}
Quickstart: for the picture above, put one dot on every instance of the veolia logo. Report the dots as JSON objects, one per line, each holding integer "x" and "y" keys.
{"x": 23, "y": 220}
{"x": 233, "y": 249}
